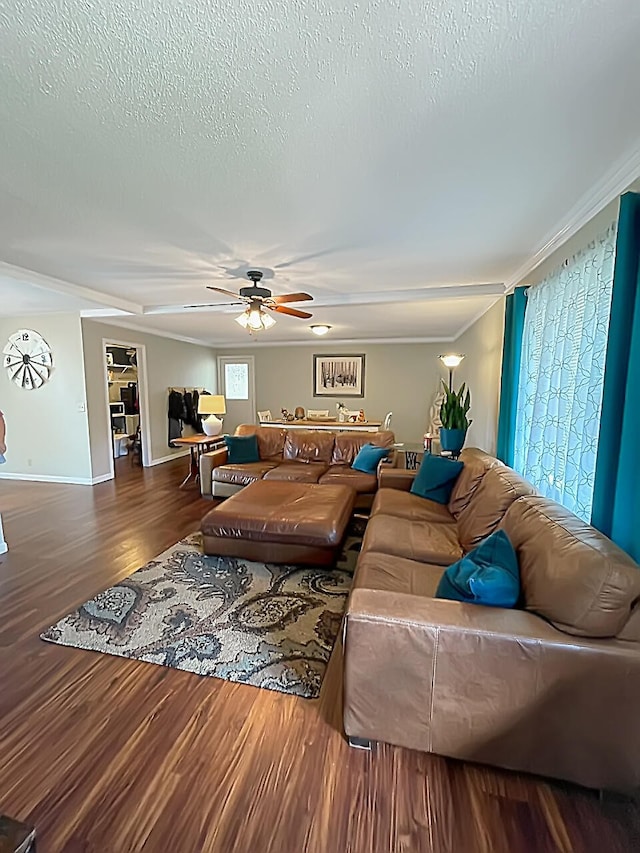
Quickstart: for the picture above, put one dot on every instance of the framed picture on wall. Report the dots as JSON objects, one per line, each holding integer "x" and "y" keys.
{"x": 338, "y": 375}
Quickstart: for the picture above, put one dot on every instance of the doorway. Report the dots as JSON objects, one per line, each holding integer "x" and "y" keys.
{"x": 127, "y": 406}
{"x": 236, "y": 380}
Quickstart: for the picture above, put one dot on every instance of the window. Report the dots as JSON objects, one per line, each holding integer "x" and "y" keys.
{"x": 561, "y": 376}
{"x": 236, "y": 381}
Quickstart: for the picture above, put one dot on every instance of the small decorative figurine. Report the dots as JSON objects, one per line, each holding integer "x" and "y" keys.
{"x": 299, "y": 413}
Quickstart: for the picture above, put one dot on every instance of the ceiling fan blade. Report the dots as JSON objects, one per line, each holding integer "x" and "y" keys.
{"x": 291, "y": 297}
{"x": 226, "y": 292}
{"x": 213, "y": 304}
{"x": 293, "y": 312}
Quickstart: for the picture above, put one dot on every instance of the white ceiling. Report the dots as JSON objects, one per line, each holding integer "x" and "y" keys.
{"x": 148, "y": 147}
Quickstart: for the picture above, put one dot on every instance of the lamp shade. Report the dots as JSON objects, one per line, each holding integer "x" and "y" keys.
{"x": 212, "y": 404}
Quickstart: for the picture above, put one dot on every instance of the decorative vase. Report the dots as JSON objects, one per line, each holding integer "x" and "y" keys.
{"x": 452, "y": 440}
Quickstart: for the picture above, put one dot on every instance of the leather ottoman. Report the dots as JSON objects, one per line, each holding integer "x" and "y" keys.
{"x": 274, "y": 521}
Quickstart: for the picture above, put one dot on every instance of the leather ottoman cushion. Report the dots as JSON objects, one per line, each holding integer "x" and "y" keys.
{"x": 424, "y": 541}
{"x": 296, "y": 513}
{"x": 297, "y": 472}
{"x": 347, "y": 476}
{"x": 405, "y": 505}
{"x": 241, "y": 474}
{"x": 397, "y": 574}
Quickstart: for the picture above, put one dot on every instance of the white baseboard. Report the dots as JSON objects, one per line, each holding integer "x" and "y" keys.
{"x": 101, "y": 479}
{"x": 47, "y": 478}
{"x": 168, "y": 458}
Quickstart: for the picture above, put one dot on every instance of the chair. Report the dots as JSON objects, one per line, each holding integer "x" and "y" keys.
{"x": 387, "y": 420}
{"x": 265, "y": 416}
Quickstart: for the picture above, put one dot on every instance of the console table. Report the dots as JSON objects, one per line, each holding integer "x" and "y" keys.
{"x": 197, "y": 444}
{"x": 329, "y": 426}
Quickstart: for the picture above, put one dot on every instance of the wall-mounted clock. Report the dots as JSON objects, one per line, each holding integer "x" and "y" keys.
{"x": 27, "y": 359}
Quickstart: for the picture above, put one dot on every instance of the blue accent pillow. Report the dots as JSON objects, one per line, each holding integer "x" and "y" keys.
{"x": 242, "y": 448}
{"x": 436, "y": 478}
{"x": 368, "y": 457}
{"x": 487, "y": 575}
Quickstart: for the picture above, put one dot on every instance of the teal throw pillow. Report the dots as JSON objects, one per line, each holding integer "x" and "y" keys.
{"x": 242, "y": 448}
{"x": 487, "y": 575}
{"x": 368, "y": 457}
{"x": 436, "y": 478}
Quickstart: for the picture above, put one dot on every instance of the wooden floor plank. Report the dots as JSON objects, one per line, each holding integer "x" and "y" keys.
{"x": 108, "y": 755}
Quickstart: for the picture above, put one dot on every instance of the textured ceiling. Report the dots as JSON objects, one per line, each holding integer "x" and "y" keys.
{"x": 148, "y": 147}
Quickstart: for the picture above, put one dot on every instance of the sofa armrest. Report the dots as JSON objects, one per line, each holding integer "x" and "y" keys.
{"x": 209, "y": 461}
{"x": 490, "y": 685}
{"x": 395, "y": 478}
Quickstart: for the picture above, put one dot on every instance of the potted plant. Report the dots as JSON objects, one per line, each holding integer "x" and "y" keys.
{"x": 455, "y": 423}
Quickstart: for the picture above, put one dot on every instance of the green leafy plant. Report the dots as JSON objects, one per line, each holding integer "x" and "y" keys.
{"x": 453, "y": 412}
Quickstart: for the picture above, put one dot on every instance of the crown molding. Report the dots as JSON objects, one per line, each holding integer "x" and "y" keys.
{"x": 613, "y": 183}
{"x": 47, "y": 282}
{"x": 325, "y": 344}
{"x": 149, "y": 330}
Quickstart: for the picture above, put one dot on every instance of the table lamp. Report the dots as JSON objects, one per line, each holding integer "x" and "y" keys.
{"x": 212, "y": 405}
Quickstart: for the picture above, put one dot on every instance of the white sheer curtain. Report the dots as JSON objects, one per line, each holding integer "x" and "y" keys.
{"x": 561, "y": 374}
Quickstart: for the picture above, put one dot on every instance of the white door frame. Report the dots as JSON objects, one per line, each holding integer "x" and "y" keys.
{"x": 143, "y": 400}
{"x": 252, "y": 377}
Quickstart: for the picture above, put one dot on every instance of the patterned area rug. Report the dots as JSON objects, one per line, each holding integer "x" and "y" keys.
{"x": 258, "y": 623}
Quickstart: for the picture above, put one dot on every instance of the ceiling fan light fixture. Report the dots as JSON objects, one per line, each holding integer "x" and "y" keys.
{"x": 255, "y": 319}
{"x": 320, "y": 329}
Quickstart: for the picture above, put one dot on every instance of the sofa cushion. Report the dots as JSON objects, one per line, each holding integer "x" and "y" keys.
{"x": 347, "y": 444}
{"x": 427, "y": 542}
{"x": 396, "y": 574}
{"x": 436, "y": 478}
{"x": 270, "y": 439}
{"x": 241, "y": 475}
{"x": 368, "y": 458}
{"x": 405, "y": 505}
{"x": 242, "y": 448}
{"x": 299, "y": 472}
{"x": 497, "y": 490}
{"x": 487, "y": 575}
{"x": 571, "y": 574}
{"x": 343, "y": 475}
{"x": 307, "y": 445}
{"x": 476, "y": 465}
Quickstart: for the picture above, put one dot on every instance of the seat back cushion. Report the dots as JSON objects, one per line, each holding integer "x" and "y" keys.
{"x": 487, "y": 575}
{"x": 270, "y": 439}
{"x": 348, "y": 444}
{"x": 436, "y": 478}
{"x": 571, "y": 573}
{"x": 495, "y": 493}
{"x": 476, "y": 465}
{"x": 305, "y": 445}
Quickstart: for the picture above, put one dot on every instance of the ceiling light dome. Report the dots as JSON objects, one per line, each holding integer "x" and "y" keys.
{"x": 320, "y": 329}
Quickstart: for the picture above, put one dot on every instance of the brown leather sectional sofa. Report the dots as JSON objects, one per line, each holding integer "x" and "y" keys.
{"x": 552, "y": 688}
{"x": 302, "y": 456}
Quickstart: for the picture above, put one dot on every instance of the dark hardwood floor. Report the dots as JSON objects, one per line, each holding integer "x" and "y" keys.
{"x": 111, "y": 756}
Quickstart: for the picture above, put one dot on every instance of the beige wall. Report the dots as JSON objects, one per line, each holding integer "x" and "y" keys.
{"x": 47, "y": 428}
{"x": 482, "y": 347}
{"x": 401, "y": 378}
{"x": 169, "y": 363}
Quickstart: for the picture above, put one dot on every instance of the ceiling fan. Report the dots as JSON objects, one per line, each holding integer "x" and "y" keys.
{"x": 258, "y": 298}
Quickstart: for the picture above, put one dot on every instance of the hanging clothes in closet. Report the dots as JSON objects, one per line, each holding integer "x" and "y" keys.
{"x": 176, "y": 415}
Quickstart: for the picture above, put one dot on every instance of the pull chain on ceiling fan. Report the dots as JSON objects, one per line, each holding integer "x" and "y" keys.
{"x": 254, "y": 317}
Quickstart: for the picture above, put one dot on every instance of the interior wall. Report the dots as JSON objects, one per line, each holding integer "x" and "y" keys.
{"x": 399, "y": 378}
{"x": 169, "y": 363}
{"x": 47, "y": 427}
{"x": 481, "y": 345}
